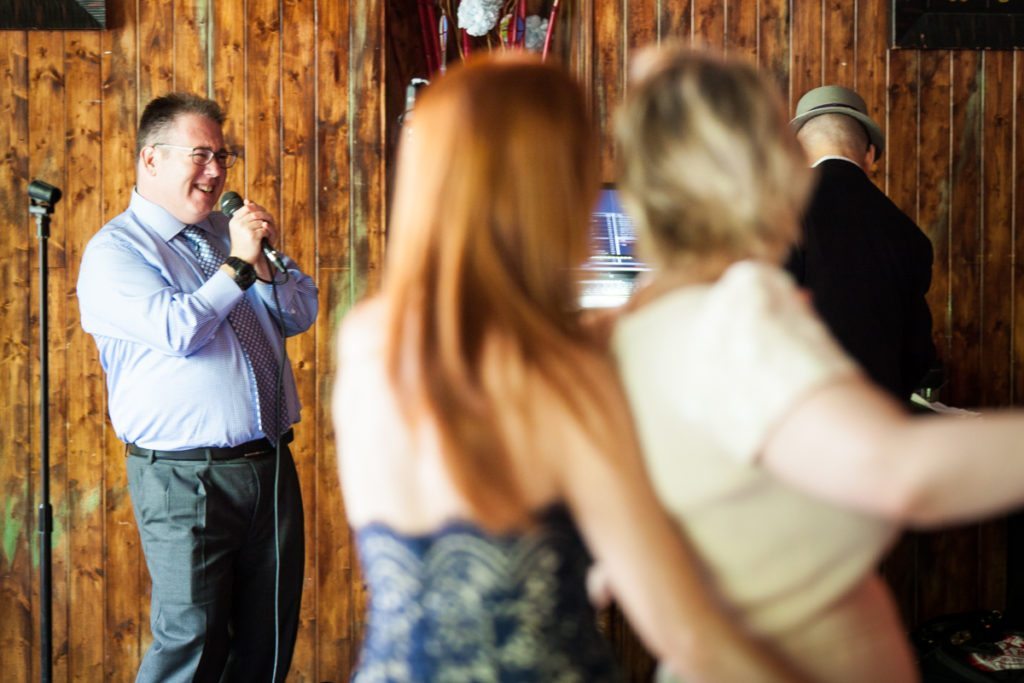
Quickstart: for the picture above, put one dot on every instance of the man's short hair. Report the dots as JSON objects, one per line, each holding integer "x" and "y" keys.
{"x": 161, "y": 113}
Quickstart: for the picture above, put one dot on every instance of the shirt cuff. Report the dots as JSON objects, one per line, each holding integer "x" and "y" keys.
{"x": 221, "y": 292}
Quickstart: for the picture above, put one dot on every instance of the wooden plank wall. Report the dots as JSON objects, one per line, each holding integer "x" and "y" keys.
{"x": 302, "y": 83}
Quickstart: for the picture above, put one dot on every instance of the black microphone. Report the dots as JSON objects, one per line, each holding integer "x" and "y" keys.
{"x": 43, "y": 193}
{"x": 231, "y": 202}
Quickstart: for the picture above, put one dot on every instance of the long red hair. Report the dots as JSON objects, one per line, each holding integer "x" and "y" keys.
{"x": 497, "y": 176}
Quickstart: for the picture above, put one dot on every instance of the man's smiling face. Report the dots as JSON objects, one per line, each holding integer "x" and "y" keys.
{"x": 171, "y": 179}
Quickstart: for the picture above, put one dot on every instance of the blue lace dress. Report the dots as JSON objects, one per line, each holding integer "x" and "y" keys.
{"x": 459, "y": 604}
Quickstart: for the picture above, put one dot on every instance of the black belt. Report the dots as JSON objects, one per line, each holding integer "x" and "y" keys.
{"x": 249, "y": 449}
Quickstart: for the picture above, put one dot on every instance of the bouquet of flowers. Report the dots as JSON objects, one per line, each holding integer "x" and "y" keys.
{"x": 497, "y": 24}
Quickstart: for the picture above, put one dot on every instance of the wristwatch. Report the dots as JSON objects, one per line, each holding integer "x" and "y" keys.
{"x": 245, "y": 274}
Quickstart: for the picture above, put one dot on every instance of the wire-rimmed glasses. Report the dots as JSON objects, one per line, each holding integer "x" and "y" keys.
{"x": 201, "y": 156}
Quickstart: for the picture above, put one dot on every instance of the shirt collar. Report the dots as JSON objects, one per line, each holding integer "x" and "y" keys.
{"x": 830, "y": 157}
{"x": 158, "y": 218}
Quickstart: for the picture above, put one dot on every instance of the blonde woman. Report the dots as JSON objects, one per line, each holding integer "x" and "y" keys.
{"x": 788, "y": 470}
{"x": 484, "y": 445}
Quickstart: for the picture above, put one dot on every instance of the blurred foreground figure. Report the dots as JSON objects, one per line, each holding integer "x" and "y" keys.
{"x": 786, "y": 467}
{"x": 485, "y": 449}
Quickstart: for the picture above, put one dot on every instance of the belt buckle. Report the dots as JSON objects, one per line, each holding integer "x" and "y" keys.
{"x": 253, "y": 454}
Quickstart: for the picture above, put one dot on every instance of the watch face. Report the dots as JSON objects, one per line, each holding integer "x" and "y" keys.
{"x": 245, "y": 274}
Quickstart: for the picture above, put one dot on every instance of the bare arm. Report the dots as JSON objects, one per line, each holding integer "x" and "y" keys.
{"x": 653, "y": 573}
{"x": 851, "y": 444}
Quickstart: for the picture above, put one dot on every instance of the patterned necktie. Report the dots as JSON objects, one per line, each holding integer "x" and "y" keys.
{"x": 259, "y": 354}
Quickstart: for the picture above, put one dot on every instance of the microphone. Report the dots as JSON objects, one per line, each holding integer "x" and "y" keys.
{"x": 43, "y": 193}
{"x": 231, "y": 202}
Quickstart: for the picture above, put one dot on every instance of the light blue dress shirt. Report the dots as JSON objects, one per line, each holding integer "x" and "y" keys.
{"x": 177, "y": 377}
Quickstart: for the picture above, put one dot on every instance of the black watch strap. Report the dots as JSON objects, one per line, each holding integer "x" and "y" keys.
{"x": 245, "y": 274}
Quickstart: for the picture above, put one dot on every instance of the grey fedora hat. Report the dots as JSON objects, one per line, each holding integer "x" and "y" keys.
{"x": 835, "y": 99}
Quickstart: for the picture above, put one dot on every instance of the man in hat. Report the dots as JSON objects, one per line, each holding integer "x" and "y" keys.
{"x": 867, "y": 265}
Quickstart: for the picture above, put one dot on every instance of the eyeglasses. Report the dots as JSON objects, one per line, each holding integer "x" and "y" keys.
{"x": 201, "y": 156}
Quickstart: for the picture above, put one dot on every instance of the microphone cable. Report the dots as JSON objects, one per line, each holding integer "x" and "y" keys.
{"x": 278, "y": 399}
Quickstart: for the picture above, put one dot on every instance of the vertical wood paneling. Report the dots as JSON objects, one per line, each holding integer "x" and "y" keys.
{"x": 709, "y": 24}
{"x": 608, "y": 84}
{"x": 262, "y": 114}
{"x": 839, "y": 58}
{"x": 47, "y": 162}
{"x": 367, "y": 161}
{"x": 16, "y": 567}
{"x": 944, "y": 571}
{"x": 228, "y": 67}
{"x": 901, "y": 156}
{"x": 641, "y": 24}
{"x": 192, "y": 47}
{"x": 805, "y": 27}
{"x": 996, "y": 309}
{"x": 72, "y": 102}
{"x": 302, "y": 82}
{"x": 675, "y": 20}
{"x": 936, "y": 187}
{"x": 871, "y": 77}
{"x": 367, "y": 182}
{"x": 773, "y": 45}
{"x": 156, "y": 48}
{"x": 333, "y": 155}
{"x": 997, "y": 240}
{"x": 335, "y": 574}
{"x": 1017, "y": 231}
{"x": 741, "y": 22}
{"x": 965, "y": 229}
{"x": 125, "y": 580}
{"x": 298, "y": 237}
{"x": 85, "y": 400}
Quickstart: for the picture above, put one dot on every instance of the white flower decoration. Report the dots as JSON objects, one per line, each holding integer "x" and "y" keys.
{"x": 536, "y": 30}
{"x": 478, "y": 17}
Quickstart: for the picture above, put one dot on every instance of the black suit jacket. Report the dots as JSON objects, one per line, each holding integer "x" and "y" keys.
{"x": 868, "y": 268}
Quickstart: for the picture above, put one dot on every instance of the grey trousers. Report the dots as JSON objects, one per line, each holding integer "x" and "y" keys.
{"x": 208, "y": 535}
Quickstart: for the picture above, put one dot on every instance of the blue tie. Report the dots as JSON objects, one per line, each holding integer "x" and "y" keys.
{"x": 259, "y": 354}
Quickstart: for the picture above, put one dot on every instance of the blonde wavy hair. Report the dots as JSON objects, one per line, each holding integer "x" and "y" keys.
{"x": 497, "y": 177}
{"x": 708, "y": 164}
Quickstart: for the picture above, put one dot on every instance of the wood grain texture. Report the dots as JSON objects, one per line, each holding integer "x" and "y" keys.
{"x": 1017, "y": 231}
{"x": 72, "y": 102}
{"x": 306, "y": 86}
{"x": 155, "y": 48}
{"x": 936, "y": 186}
{"x": 126, "y": 584}
{"x": 806, "y": 51}
{"x": 82, "y": 432}
{"x": 709, "y": 24}
{"x": 965, "y": 229}
{"x": 335, "y": 573}
{"x": 608, "y": 84}
{"x": 191, "y": 41}
{"x": 773, "y": 44}
{"x": 741, "y": 22}
{"x": 997, "y": 173}
{"x": 297, "y": 221}
{"x": 16, "y": 566}
{"x": 839, "y": 58}
{"x": 641, "y": 24}
{"x": 47, "y": 82}
{"x": 675, "y": 20}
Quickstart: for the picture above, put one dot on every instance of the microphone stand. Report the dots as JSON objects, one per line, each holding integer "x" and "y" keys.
{"x": 43, "y": 198}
